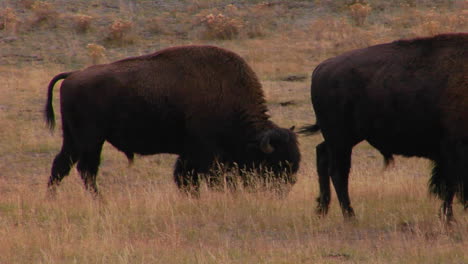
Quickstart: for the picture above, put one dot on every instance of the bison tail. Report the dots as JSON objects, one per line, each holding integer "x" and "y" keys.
{"x": 439, "y": 185}
{"x": 309, "y": 130}
{"x": 462, "y": 190}
{"x": 49, "y": 109}
{"x": 130, "y": 157}
{"x": 437, "y": 182}
{"x": 388, "y": 160}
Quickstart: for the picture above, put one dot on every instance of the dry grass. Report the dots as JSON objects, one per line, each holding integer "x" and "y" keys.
{"x": 143, "y": 219}
{"x": 220, "y": 27}
{"x": 8, "y": 21}
{"x": 120, "y": 32}
{"x": 359, "y": 12}
{"x": 81, "y": 23}
{"x": 96, "y": 52}
{"x": 44, "y": 13}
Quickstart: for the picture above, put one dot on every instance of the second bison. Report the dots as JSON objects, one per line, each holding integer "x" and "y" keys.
{"x": 409, "y": 98}
{"x": 202, "y": 103}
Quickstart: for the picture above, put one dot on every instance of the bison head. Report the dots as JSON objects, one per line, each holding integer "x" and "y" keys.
{"x": 278, "y": 153}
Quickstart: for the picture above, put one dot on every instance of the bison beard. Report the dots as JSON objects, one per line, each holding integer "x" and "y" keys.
{"x": 202, "y": 103}
{"x": 407, "y": 98}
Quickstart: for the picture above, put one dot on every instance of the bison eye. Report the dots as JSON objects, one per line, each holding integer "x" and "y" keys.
{"x": 266, "y": 146}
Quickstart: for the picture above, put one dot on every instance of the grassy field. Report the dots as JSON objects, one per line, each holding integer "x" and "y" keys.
{"x": 143, "y": 218}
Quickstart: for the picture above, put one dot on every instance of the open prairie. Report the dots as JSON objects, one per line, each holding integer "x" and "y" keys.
{"x": 142, "y": 218}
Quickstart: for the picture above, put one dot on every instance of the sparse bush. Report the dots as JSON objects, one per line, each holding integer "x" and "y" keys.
{"x": 335, "y": 5}
{"x": 359, "y": 13}
{"x": 155, "y": 25}
{"x": 259, "y": 18}
{"x": 44, "y": 12}
{"x": 120, "y": 31}
{"x": 220, "y": 27}
{"x": 81, "y": 22}
{"x": 414, "y": 22}
{"x": 96, "y": 52}
{"x": 8, "y": 20}
{"x": 333, "y": 36}
{"x": 232, "y": 21}
{"x": 431, "y": 27}
{"x": 26, "y": 3}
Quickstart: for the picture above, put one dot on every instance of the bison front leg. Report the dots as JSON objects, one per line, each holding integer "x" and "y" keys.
{"x": 186, "y": 177}
{"x": 88, "y": 165}
{"x": 340, "y": 164}
{"x": 323, "y": 178}
{"x": 443, "y": 184}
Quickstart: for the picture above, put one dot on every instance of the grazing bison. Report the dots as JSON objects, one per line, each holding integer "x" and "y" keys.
{"x": 408, "y": 97}
{"x": 202, "y": 103}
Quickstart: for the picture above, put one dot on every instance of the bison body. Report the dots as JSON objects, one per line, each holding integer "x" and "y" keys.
{"x": 202, "y": 103}
{"x": 408, "y": 97}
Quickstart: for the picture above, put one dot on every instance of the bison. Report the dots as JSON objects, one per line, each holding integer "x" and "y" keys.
{"x": 407, "y": 97}
{"x": 203, "y": 103}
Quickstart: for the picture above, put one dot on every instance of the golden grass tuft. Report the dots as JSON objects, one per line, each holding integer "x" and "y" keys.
{"x": 220, "y": 26}
{"x": 9, "y": 20}
{"x": 27, "y": 4}
{"x": 96, "y": 52}
{"x": 233, "y": 22}
{"x": 120, "y": 32}
{"x": 44, "y": 13}
{"x": 81, "y": 22}
{"x": 359, "y": 13}
{"x": 413, "y": 22}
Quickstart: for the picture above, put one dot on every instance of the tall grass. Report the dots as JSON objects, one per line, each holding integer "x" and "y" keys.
{"x": 142, "y": 218}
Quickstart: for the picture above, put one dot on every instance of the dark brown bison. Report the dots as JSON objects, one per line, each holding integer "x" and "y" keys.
{"x": 408, "y": 97}
{"x": 202, "y": 103}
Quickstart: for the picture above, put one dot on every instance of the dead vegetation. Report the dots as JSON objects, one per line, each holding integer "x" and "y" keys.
{"x": 143, "y": 219}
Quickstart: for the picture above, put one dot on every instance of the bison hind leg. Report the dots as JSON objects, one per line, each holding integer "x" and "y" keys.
{"x": 130, "y": 157}
{"x": 324, "y": 179}
{"x": 388, "y": 160}
{"x": 62, "y": 163}
{"x": 61, "y": 167}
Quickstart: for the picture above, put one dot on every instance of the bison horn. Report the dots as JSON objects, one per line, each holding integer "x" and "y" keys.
{"x": 265, "y": 145}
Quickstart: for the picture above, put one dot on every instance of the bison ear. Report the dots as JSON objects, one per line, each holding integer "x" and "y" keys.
{"x": 292, "y": 128}
{"x": 265, "y": 144}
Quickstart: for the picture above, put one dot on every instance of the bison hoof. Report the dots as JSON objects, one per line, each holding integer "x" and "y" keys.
{"x": 446, "y": 215}
{"x": 348, "y": 213}
{"x": 321, "y": 211}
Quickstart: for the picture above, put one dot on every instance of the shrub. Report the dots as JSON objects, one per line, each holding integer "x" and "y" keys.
{"x": 120, "y": 31}
{"x": 26, "y": 3}
{"x": 8, "y": 20}
{"x": 413, "y": 22}
{"x": 220, "y": 27}
{"x": 359, "y": 13}
{"x": 44, "y": 12}
{"x": 232, "y": 21}
{"x": 332, "y": 36}
{"x": 95, "y": 52}
{"x": 81, "y": 22}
